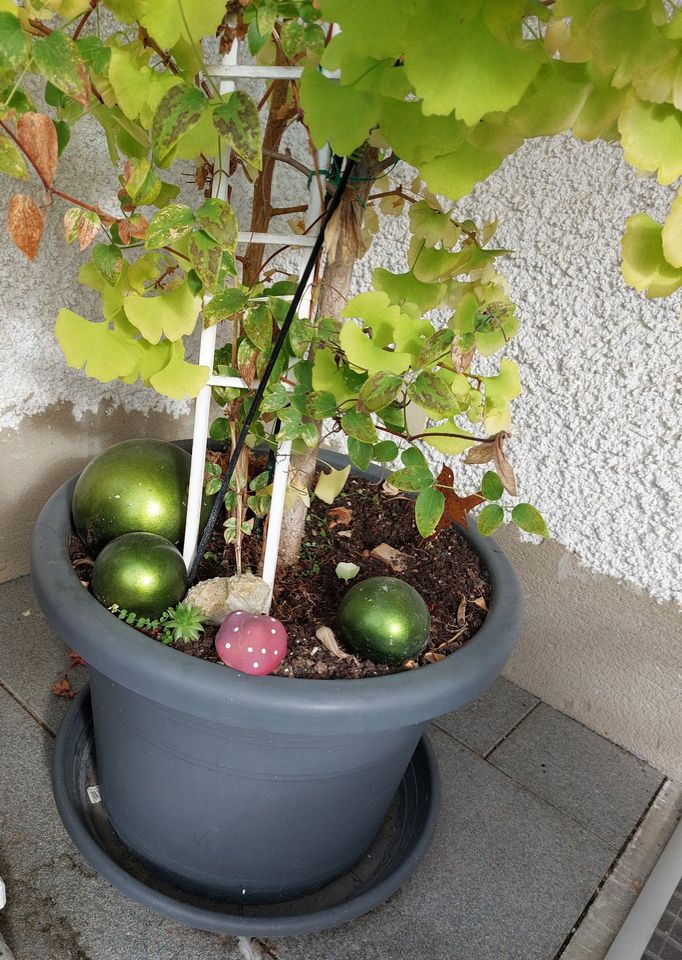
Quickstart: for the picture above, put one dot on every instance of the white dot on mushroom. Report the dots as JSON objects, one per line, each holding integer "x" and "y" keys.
{"x": 273, "y": 630}
{"x": 236, "y": 630}
{"x": 263, "y": 650}
{"x": 255, "y": 663}
{"x": 249, "y": 649}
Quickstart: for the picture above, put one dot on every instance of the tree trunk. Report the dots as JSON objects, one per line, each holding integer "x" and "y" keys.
{"x": 344, "y": 247}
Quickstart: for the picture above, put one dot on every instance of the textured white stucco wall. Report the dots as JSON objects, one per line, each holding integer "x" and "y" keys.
{"x": 597, "y": 441}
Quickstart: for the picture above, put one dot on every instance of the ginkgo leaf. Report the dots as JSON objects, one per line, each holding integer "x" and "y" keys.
{"x": 651, "y": 137}
{"x": 327, "y": 377}
{"x": 106, "y": 354}
{"x": 477, "y": 72}
{"x": 337, "y": 114}
{"x": 645, "y": 266}
{"x": 173, "y": 314}
{"x": 377, "y": 312}
{"x": 129, "y": 75}
{"x": 364, "y": 354}
{"x": 168, "y": 21}
{"x": 179, "y": 379}
{"x": 672, "y": 233}
{"x": 405, "y": 288}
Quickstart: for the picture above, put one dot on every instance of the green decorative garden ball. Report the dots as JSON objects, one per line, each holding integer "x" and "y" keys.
{"x": 384, "y": 619}
{"x": 141, "y": 573}
{"x": 136, "y": 485}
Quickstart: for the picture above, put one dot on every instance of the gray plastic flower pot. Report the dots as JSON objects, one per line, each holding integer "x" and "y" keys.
{"x": 251, "y": 789}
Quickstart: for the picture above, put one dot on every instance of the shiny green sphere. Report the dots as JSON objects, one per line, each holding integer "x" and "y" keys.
{"x": 384, "y": 619}
{"x": 136, "y": 485}
{"x": 140, "y": 572}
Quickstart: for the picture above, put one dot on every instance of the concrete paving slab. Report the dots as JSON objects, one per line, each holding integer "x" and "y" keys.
{"x": 32, "y": 657}
{"x": 507, "y": 877}
{"x": 65, "y": 911}
{"x": 30, "y": 830}
{"x": 481, "y": 725}
{"x": 599, "y": 784}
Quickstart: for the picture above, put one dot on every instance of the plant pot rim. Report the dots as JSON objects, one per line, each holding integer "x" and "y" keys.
{"x": 212, "y": 691}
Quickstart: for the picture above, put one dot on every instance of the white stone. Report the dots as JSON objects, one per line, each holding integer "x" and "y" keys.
{"x": 210, "y": 596}
{"x": 222, "y": 595}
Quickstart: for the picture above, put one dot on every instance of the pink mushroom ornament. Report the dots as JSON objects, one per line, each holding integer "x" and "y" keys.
{"x": 251, "y": 643}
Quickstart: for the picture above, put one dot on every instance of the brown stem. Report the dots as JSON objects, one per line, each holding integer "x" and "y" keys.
{"x": 50, "y": 190}
{"x": 286, "y": 157}
{"x": 261, "y": 213}
{"x": 418, "y": 436}
{"x": 83, "y": 20}
{"x": 283, "y": 211}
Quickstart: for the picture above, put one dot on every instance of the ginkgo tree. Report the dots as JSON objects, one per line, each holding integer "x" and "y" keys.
{"x": 428, "y": 97}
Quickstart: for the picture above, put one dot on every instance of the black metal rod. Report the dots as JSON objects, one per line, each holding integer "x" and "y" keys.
{"x": 260, "y": 390}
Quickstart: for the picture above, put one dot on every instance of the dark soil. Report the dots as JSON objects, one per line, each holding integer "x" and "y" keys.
{"x": 444, "y": 569}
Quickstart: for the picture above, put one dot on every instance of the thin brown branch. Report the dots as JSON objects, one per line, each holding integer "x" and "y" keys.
{"x": 419, "y": 436}
{"x": 84, "y": 19}
{"x": 288, "y": 159}
{"x": 284, "y": 211}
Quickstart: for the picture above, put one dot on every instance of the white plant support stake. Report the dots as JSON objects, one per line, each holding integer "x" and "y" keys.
{"x": 228, "y": 72}
{"x": 203, "y": 404}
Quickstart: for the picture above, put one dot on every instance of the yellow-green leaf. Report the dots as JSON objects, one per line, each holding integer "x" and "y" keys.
{"x": 651, "y": 137}
{"x": 106, "y": 354}
{"x": 329, "y": 485}
{"x": 11, "y": 159}
{"x": 173, "y": 314}
{"x": 179, "y": 379}
{"x": 672, "y": 233}
{"x": 644, "y": 265}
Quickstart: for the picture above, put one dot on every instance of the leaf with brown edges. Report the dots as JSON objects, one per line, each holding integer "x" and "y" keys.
{"x": 37, "y": 137}
{"x": 25, "y": 222}
{"x": 456, "y": 507}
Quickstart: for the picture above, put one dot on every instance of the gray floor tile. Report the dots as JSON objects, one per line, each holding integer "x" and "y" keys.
{"x": 32, "y": 657}
{"x": 65, "y": 911}
{"x": 482, "y": 724}
{"x": 598, "y": 783}
{"x": 506, "y": 878}
{"x": 30, "y": 829}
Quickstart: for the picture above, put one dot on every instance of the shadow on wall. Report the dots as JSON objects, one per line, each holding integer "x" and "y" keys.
{"x": 46, "y": 451}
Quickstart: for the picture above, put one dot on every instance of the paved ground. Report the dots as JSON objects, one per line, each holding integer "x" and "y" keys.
{"x": 535, "y": 811}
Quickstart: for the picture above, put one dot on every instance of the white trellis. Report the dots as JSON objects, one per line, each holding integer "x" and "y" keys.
{"x": 227, "y": 73}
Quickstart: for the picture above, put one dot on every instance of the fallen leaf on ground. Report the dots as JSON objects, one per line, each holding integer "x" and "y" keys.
{"x": 252, "y": 949}
{"x": 433, "y": 657}
{"x": 393, "y": 558}
{"x": 338, "y": 516}
{"x": 462, "y": 612}
{"x": 389, "y": 489}
{"x": 76, "y": 659}
{"x": 480, "y": 602}
{"x": 63, "y": 688}
{"x": 26, "y": 613}
{"x": 327, "y": 637}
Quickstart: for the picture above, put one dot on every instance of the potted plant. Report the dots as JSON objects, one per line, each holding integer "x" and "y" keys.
{"x": 288, "y": 778}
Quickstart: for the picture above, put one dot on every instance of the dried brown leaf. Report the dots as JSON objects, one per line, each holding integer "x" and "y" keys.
{"x": 86, "y": 231}
{"x": 338, "y": 516}
{"x": 25, "y": 222}
{"x": 63, "y": 688}
{"x": 389, "y": 489}
{"x": 344, "y": 533}
{"x": 37, "y": 137}
{"x": 504, "y": 467}
{"x": 75, "y": 659}
{"x": 481, "y": 453}
{"x": 456, "y": 507}
{"x": 393, "y": 558}
{"x": 410, "y": 665}
{"x": 433, "y": 657}
{"x": 462, "y": 612}
{"x": 461, "y": 360}
{"x": 480, "y": 602}
{"x": 327, "y": 638}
